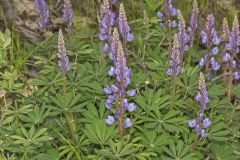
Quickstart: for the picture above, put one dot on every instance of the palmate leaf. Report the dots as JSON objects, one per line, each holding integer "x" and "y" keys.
{"x": 93, "y": 112}
{"x": 149, "y": 101}
{"x": 63, "y": 103}
{"x": 222, "y": 152}
{"x": 179, "y": 151}
{"x": 37, "y": 115}
{"x": 188, "y": 83}
{"x": 125, "y": 149}
{"x": 99, "y": 133}
{"x": 31, "y": 138}
{"x": 170, "y": 122}
{"x": 218, "y": 132}
{"x": 156, "y": 116}
{"x": 153, "y": 141}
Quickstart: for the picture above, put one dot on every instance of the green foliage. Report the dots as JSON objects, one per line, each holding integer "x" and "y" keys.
{"x": 64, "y": 116}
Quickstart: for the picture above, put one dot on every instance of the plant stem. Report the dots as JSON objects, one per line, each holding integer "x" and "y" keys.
{"x": 68, "y": 115}
{"x": 174, "y": 86}
{"x": 230, "y": 83}
{"x": 195, "y": 142}
{"x": 119, "y": 109}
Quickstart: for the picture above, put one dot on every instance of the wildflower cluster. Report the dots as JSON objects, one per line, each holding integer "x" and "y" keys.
{"x": 210, "y": 40}
{"x": 183, "y": 37}
{"x": 174, "y": 58}
{"x": 108, "y": 20}
{"x": 123, "y": 26}
{"x": 232, "y": 47}
{"x": 68, "y": 13}
{"x": 63, "y": 61}
{"x": 168, "y": 12}
{"x": 201, "y": 123}
{"x": 43, "y": 13}
{"x": 193, "y": 22}
{"x": 118, "y": 91}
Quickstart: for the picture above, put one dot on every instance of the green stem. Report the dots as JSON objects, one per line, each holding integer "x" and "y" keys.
{"x": 195, "y": 142}
{"x": 230, "y": 83}
{"x": 174, "y": 87}
{"x": 68, "y": 115}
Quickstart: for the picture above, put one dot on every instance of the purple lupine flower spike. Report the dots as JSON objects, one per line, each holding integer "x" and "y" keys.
{"x": 210, "y": 40}
{"x": 174, "y": 58}
{"x": 43, "y": 13}
{"x": 63, "y": 61}
{"x": 201, "y": 123}
{"x": 68, "y": 13}
{"x": 123, "y": 26}
{"x": 168, "y": 12}
{"x": 118, "y": 91}
{"x": 232, "y": 47}
{"x": 107, "y": 21}
{"x": 183, "y": 37}
{"x": 193, "y": 22}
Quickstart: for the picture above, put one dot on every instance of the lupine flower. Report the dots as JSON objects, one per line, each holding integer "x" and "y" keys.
{"x": 118, "y": 92}
{"x": 127, "y": 123}
{"x": 174, "y": 58}
{"x": 211, "y": 40}
{"x": 43, "y": 13}
{"x": 201, "y": 123}
{"x": 232, "y": 46}
{"x": 109, "y": 120}
{"x": 108, "y": 20}
{"x": 68, "y": 13}
{"x": 226, "y": 30}
{"x": 63, "y": 61}
{"x": 123, "y": 26}
{"x": 168, "y": 12}
{"x": 193, "y": 22}
{"x": 183, "y": 37}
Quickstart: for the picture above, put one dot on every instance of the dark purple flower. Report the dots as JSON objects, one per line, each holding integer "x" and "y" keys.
{"x": 43, "y": 13}
{"x": 63, "y": 61}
